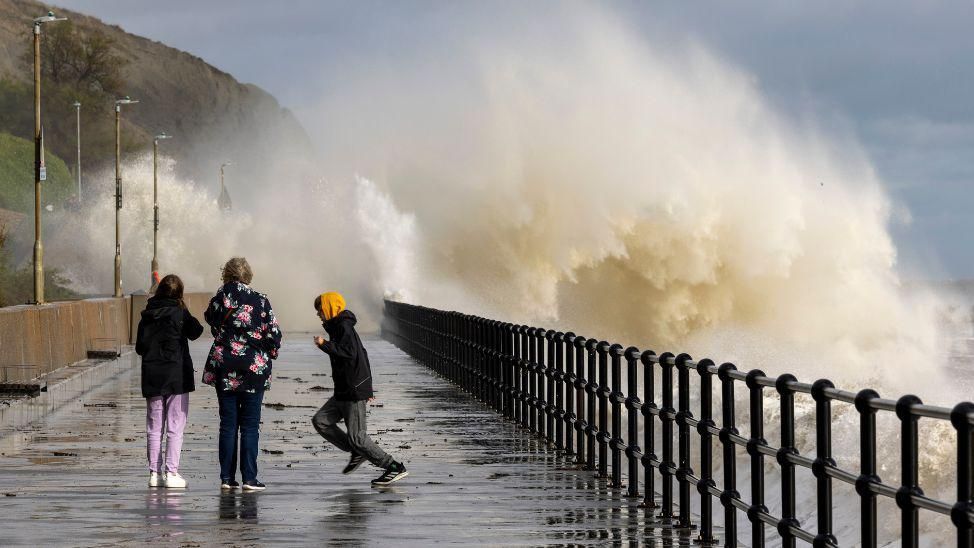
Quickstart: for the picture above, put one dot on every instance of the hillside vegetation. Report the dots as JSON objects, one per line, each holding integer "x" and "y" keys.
{"x": 213, "y": 117}
{"x": 17, "y": 176}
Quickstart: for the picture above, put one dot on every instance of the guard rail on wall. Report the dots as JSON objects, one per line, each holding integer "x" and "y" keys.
{"x": 565, "y": 393}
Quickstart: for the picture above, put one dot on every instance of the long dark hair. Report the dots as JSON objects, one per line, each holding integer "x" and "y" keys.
{"x": 171, "y": 287}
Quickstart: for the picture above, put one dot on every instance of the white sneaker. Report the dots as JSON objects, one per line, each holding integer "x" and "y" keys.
{"x": 154, "y": 479}
{"x": 174, "y": 480}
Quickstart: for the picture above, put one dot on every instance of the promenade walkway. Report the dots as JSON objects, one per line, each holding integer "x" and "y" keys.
{"x": 77, "y": 478}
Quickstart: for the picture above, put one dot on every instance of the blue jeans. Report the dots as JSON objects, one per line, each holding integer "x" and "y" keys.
{"x": 239, "y": 413}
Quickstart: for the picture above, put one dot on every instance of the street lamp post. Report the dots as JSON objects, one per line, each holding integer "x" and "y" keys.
{"x": 224, "y": 201}
{"x": 118, "y": 192}
{"x": 40, "y": 172}
{"x": 77, "y": 110}
{"x": 155, "y": 207}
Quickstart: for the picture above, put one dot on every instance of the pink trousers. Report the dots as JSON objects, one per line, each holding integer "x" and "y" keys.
{"x": 165, "y": 413}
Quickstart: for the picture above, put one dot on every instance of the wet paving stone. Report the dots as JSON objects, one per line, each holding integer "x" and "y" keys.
{"x": 78, "y": 477}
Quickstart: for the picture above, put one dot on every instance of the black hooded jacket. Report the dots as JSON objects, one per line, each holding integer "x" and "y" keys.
{"x": 163, "y": 342}
{"x": 350, "y": 367}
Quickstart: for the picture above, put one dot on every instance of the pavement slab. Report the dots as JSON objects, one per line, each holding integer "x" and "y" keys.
{"x": 78, "y": 477}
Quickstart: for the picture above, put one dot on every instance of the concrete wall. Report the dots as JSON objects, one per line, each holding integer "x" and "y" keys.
{"x": 54, "y": 335}
{"x": 44, "y": 338}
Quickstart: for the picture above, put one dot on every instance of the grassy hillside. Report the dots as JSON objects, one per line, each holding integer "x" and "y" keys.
{"x": 213, "y": 117}
{"x": 17, "y": 194}
{"x": 17, "y": 176}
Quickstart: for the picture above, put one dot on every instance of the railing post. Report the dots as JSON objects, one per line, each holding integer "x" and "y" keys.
{"x": 445, "y": 324}
{"x": 728, "y": 429}
{"x": 464, "y": 354}
{"x": 581, "y": 385}
{"x": 909, "y": 440}
{"x": 524, "y": 365}
{"x": 867, "y": 467}
{"x": 541, "y": 403}
{"x": 754, "y": 445}
{"x": 537, "y": 384}
{"x": 603, "y": 436}
{"x": 633, "y": 453}
{"x": 454, "y": 368}
{"x": 487, "y": 369}
{"x": 489, "y": 355}
{"x": 786, "y": 396}
{"x": 559, "y": 379}
{"x": 490, "y": 363}
{"x": 533, "y": 379}
{"x": 647, "y": 358}
{"x": 960, "y": 418}
{"x": 684, "y": 471}
{"x": 706, "y": 453}
{"x": 570, "y": 379}
{"x": 592, "y": 388}
{"x": 550, "y": 408}
{"x": 516, "y": 373}
{"x": 477, "y": 363}
{"x": 823, "y": 461}
{"x": 616, "y": 397}
{"x": 667, "y": 415}
{"x": 462, "y": 375}
{"x": 471, "y": 363}
{"x": 510, "y": 371}
{"x": 499, "y": 374}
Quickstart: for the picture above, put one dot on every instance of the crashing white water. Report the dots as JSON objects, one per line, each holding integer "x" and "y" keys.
{"x": 638, "y": 193}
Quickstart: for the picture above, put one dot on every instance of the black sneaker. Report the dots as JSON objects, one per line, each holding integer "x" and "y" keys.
{"x": 392, "y": 474}
{"x": 253, "y": 485}
{"x": 229, "y": 484}
{"x": 353, "y": 463}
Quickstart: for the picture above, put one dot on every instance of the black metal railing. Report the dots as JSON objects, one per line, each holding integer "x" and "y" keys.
{"x": 572, "y": 396}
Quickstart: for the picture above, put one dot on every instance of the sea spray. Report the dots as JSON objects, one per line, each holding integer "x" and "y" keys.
{"x": 306, "y": 238}
{"x": 635, "y": 191}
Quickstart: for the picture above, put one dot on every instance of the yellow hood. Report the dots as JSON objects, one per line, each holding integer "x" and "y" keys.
{"x": 332, "y": 304}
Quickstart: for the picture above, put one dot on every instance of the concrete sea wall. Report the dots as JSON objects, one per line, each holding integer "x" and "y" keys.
{"x": 35, "y": 340}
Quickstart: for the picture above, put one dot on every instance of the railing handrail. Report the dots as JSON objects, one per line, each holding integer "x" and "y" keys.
{"x": 506, "y": 366}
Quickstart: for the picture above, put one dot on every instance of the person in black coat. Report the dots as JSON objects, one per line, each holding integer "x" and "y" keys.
{"x": 164, "y": 332}
{"x": 352, "y": 375}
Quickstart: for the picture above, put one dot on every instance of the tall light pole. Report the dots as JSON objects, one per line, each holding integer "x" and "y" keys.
{"x": 40, "y": 171}
{"x": 118, "y": 192}
{"x": 224, "y": 201}
{"x": 77, "y": 110}
{"x": 154, "y": 276}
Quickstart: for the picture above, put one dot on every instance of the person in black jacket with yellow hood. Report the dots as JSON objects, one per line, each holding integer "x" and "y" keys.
{"x": 352, "y": 375}
{"x": 165, "y": 329}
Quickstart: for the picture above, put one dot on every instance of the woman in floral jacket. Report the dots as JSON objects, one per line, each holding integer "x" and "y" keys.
{"x": 246, "y": 339}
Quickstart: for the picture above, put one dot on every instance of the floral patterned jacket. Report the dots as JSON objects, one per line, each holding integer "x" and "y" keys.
{"x": 246, "y": 337}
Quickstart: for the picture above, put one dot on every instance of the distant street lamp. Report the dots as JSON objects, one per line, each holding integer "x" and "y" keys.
{"x": 118, "y": 192}
{"x": 77, "y": 110}
{"x": 224, "y": 201}
{"x": 155, "y": 207}
{"x": 40, "y": 171}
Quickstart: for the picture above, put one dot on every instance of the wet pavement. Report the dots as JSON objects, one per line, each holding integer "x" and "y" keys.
{"x": 78, "y": 476}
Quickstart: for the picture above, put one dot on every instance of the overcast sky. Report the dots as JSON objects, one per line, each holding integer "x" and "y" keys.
{"x": 898, "y": 75}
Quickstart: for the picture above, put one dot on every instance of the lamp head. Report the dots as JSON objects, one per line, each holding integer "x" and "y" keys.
{"x": 163, "y": 135}
{"x": 49, "y": 18}
{"x": 126, "y": 101}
